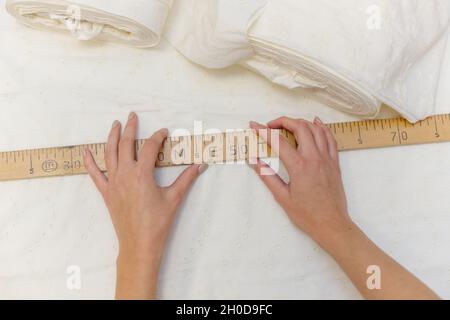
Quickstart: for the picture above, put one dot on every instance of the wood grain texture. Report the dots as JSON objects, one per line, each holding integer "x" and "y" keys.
{"x": 224, "y": 147}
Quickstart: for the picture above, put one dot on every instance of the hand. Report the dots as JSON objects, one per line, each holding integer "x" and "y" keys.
{"x": 142, "y": 212}
{"x": 315, "y": 201}
{"x": 314, "y": 198}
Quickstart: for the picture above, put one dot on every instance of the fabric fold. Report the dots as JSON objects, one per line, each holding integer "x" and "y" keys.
{"x": 138, "y": 23}
{"x": 353, "y": 54}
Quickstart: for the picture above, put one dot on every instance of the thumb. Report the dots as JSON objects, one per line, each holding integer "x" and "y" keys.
{"x": 180, "y": 187}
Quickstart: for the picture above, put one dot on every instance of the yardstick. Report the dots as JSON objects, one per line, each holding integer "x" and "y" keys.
{"x": 224, "y": 147}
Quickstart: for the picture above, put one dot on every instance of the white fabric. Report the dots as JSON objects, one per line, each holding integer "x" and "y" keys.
{"x": 137, "y": 23}
{"x": 330, "y": 46}
{"x": 231, "y": 240}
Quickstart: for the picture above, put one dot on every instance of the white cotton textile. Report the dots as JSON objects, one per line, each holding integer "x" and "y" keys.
{"x": 354, "y": 54}
{"x": 231, "y": 240}
{"x": 137, "y": 23}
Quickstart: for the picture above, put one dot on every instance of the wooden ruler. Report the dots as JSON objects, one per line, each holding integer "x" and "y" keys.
{"x": 224, "y": 147}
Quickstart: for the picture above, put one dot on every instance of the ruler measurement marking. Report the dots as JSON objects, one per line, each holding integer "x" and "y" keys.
{"x": 399, "y": 134}
{"x": 360, "y": 141}
{"x": 59, "y": 161}
{"x": 436, "y": 128}
{"x": 224, "y": 148}
{"x": 71, "y": 160}
{"x": 31, "y": 164}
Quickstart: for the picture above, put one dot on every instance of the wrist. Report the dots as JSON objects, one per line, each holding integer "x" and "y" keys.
{"x": 339, "y": 236}
{"x": 136, "y": 265}
{"x": 136, "y": 276}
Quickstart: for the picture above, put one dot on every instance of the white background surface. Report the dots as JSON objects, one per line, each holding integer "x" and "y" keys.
{"x": 231, "y": 240}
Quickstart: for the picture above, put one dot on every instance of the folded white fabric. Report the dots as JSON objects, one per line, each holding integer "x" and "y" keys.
{"x": 354, "y": 54}
{"x": 137, "y": 23}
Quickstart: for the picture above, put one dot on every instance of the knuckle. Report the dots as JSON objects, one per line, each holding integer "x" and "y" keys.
{"x": 126, "y": 141}
{"x": 142, "y": 173}
{"x": 109, "y": 152}
{"x": 112, "y": 134}
{"x": 300, "y": 127}
{"x": 315, "y": 163}
{"x": 286, "y": 120}
{"x": 111, "y": 143}
{"x": 154, "y": 141}
{"x": 152, "y": 144}
{"x": 303, "y": 124}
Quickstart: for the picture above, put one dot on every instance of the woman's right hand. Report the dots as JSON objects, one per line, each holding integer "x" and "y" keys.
{"x": 315, "y": 201}
{"x": 314, "y": 198}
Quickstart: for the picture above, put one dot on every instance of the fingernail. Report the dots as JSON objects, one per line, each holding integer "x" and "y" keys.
{"x": 254, "y": 124}
{"x": 115, "y": 124}
{"x": 165, "y": 131}
{"x": 202, "y": 168}
{"x": 317, "y": 120}
{"x": 132, "y": 115}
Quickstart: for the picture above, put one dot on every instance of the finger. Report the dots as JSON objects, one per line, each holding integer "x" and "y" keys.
{"x": 332, "y": 143}
{"x": 180, "y": 187}
{"x": 127, "y": 145}
{"x": 151, "y": 148}
{"x": 276, "y": 185}
{"x": 320, "y": 137}
{"x": 112, "y": 147}
{"x": 287, "y": 153}
{"x": 301, "y": 131}
{"x": 100, "y": 180}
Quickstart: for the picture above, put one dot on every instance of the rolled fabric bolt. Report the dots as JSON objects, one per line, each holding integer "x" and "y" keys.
{"x": 137, "y": 23}
{"x": 353, "y": 55}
